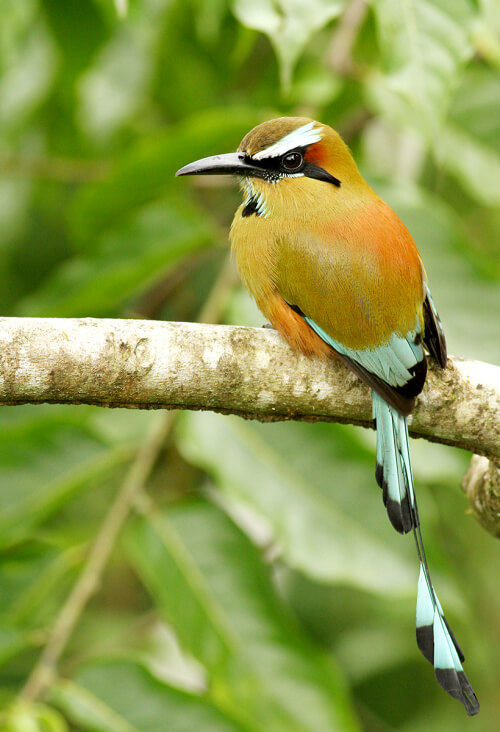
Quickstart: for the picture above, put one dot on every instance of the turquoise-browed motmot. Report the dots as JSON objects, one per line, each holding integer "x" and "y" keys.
{"x": 337, "y": 274}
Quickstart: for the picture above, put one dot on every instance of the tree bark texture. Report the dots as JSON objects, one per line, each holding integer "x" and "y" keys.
{"x": 245, "y": 371}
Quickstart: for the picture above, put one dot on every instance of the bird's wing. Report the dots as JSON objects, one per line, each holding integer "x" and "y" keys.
{"x": 434, "y": 335}
{"x": 396, "y": 369}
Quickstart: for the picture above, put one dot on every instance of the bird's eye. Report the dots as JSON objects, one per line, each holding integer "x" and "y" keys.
{"x": 292, "y": 162}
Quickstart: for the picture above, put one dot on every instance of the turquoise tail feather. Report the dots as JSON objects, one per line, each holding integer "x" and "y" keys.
{"x": 393, "y": 471}
{"x": 394, "y": 475}
{"x": 396, "y": 370}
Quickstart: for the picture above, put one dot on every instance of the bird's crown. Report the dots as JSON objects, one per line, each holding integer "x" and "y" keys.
{"x": 278, "y": 136}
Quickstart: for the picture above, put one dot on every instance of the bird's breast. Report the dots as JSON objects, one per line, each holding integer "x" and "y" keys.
{"x": 358, "y": 275}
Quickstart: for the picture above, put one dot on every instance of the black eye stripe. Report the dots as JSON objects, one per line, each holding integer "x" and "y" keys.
{"x": 315, "y": 171}
{"x": 274, "y": 163}
{"x": 273, "y": 168}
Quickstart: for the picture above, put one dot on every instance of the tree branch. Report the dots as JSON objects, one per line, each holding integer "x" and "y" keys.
{"x": 245, "y": 371}
{"x": 481, "y": 484}
{"x": 345, "y": 36}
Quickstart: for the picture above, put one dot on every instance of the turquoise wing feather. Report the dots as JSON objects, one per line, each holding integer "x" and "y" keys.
{"x": 396, "y": 369}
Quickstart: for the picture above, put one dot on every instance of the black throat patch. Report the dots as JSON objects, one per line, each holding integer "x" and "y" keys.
{"x": 250, "y": 208}
{"x": 254, "y": 205}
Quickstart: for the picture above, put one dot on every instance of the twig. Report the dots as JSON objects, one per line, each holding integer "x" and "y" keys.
{"x": 44, "y": 671}
{"x": 481, "y": 484}
{"x": 121, "y": 8}
{"x": 340, "y": 53}
{"x": 63, "y": 169}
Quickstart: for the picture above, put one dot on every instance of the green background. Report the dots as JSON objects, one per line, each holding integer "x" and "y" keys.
{"x": 259, "y": 585}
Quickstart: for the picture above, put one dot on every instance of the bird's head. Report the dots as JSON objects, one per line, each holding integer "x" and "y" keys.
{"x": 288, "y": 157}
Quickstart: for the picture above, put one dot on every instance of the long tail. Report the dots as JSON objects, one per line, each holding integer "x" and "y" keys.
{"x": 393, "y": 472}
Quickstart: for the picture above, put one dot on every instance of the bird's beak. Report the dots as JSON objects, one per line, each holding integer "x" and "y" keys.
{"x": 228, "y": 164}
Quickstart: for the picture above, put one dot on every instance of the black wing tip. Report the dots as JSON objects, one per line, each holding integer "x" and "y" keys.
{"x": 434, "y": 337}
{"x": 402, "y": 403}
{"x": 415, "y": 385}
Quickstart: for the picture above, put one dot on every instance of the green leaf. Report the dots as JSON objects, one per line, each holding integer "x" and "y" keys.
{"x": 12, "y": 642}
{"x": 424, "y": 44}
{"x": 476, "y": 106}
{"x": 33, "y": 717}
{"x": 198, "y": 623}
{"x": 122, "y": 696}
{"x": 78, "y": 30}
{"x": 112, "y": 87}
{"x": 209, "y": 582}
{"x": 487, "y": 31}
{"x": 476, "y": 166}
{"x": 311, "y": 532}
{"x": 122, "y": 263}
{"x": 34, "y": 577}
{"x": 289, "y": 24}
{"x": 48, "y": 455}
{"x": 469, "y": 145}
{"x": 147, "y": 170}
{"x": 27, "y": 65}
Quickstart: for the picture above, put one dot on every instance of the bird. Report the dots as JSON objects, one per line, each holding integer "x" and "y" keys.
{"x": 338, "y": 275}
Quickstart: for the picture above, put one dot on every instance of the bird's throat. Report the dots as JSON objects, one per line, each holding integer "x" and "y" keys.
{"x": 254, "y": 202}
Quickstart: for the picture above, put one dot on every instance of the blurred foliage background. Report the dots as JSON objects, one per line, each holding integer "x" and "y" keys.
{"x": 246, "y": 575}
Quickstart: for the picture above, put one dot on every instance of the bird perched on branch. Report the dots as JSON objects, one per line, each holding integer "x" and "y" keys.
{"x": 338, "y": 275}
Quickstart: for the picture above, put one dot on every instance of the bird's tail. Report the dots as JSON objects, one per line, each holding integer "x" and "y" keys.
{"x": 393, "y": 472}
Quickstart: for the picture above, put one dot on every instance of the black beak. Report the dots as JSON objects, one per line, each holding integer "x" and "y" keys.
{"x": 228, "y": 164}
